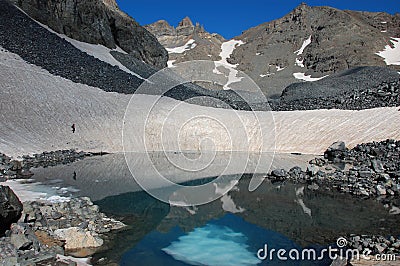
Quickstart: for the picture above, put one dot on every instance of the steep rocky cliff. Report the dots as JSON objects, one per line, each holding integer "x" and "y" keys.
{"x": 97, "y": 22}
{"x": 187, "y": 41}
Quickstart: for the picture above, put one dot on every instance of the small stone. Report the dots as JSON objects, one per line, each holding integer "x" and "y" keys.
{"x": 380, "y": 190}
{"x": 313, "y": 187}
{"x": 394, "y": 210}
{"x": 279, "y": 173}
{"x": 20, "y": 241}
{"x": 312, "y": 170}
{"x": 364, "y": 174}
{"x": 380, "y": 248}
{"x": 377, "y": 166}
{"x": 56, "y": 215}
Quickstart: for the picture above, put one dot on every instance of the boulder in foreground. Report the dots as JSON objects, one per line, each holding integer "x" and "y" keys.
{"x": 10, "y": 208}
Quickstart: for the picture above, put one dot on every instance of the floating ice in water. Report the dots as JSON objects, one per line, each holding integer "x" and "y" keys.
{"x": 212, "y": 245}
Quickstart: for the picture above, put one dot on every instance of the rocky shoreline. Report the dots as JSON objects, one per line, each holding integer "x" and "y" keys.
{"x": 42, "y": 232}
{"x": 12, "y": 169}
{"x": 368, "y": 171}
{"x": 46, "y": 230}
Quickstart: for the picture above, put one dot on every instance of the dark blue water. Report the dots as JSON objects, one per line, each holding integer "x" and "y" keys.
{"x": 159, "y": 234}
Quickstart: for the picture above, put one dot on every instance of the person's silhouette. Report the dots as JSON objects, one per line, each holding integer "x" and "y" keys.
{"x": 73, "y": 128}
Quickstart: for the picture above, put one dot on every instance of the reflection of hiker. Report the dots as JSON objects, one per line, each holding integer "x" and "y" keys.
{"x": 73, "y": 128}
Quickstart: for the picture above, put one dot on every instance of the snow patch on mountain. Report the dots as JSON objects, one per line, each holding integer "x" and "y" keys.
{"x": 303, "y": 46}
{"x": 391, "y": 54}
{"x": 170, "y": 63}
{"x": 96, "y": 50}
{"x": 227, "y": 49}
{"x": 181, "y": 49}
{"x": 299, "y": 62}
{"x": 278, "y": 68}
{"x": 304, "y": 77}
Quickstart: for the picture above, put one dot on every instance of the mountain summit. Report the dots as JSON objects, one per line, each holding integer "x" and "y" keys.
{"x": 187, "y": 41}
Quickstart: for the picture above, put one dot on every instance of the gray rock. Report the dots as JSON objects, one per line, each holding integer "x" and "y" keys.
{"x": 335, "y": 151}
{"x": 10, "y": 208}
{"x": 364, "y": 174}
{"x": 10, "y": 261}
{"x": 56, "y": 215}
{"x": 20, "y": 241}
{"x": 394, "y": 210}
{"x": 380, "y": 248}
{"x": 377, "y": 166}
{"x": 312, "y": 170}
{"x": 380, "y": 190}
{"x": 280, "y": 173}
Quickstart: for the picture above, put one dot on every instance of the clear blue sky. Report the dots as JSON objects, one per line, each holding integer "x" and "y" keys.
{"x": 230, "y": 18}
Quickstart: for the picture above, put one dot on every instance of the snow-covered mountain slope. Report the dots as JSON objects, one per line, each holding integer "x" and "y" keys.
{"x": 39, "y": 108}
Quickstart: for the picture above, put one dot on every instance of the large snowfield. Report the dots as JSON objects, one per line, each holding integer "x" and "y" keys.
{"x": 38, "y": 110}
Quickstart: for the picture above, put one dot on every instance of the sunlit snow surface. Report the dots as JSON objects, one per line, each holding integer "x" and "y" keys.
{"x": 303, "y": 46}
{"x": 39, "y": 108}
{"x": 391, "y": 54}
{"x": 304, "y": 77}
{"x": 227, "y": 49}
{"x": 212, "y": 245}
{"x": 181, "y": 49}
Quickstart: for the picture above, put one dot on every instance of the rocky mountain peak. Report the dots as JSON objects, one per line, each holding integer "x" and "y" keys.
{"x": 111, "y": 3}
{"x": 185, "y": 27}
{"x": 186, "y": 22}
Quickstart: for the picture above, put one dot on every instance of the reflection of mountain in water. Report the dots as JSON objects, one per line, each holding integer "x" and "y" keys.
{"x": 103, "y": 176}
{"x": 305, "y": 217}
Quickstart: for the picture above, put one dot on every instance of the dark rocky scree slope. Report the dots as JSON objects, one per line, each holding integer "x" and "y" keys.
{"x": 97, "y": 22}
{"x": 354, "y": 89}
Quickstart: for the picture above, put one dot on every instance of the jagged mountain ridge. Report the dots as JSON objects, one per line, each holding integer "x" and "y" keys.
{"x": 187, "y": 36}
{"x": 309, "y": 42}
{"x": 97, "y": 22}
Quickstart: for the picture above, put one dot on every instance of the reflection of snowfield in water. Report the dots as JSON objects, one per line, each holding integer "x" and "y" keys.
{"x": 212, "y": 245}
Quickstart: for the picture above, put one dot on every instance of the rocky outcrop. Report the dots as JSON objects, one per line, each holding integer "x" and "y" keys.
{"x": 97, "y": 22}
{"x": 354, "y": 89}
{"x": 203, "y": 45}
{"x": 76, "y": 238}
{"x": 47, "y": 230}
{"x": 10, "y": 208}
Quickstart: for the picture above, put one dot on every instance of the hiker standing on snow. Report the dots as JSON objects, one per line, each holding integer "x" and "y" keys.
{"x": 73, "y": 128}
